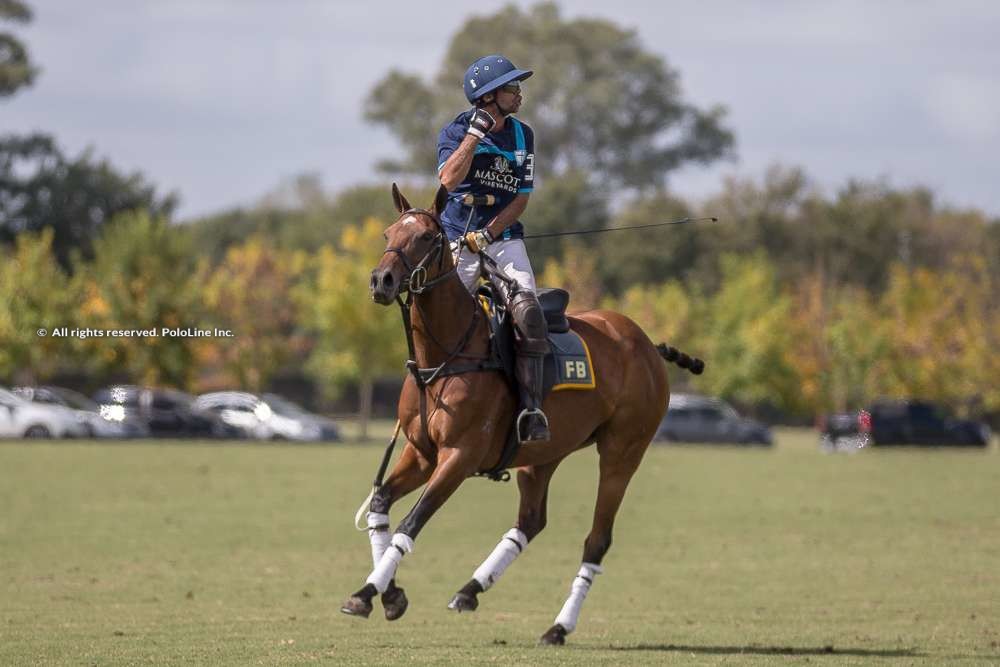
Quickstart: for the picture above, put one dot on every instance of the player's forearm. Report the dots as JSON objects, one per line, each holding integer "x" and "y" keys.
{"x": 508, "y": 216}
{"x": 457, "y": 166}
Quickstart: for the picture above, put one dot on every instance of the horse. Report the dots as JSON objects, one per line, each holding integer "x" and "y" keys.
{"x": 459, "y": 426}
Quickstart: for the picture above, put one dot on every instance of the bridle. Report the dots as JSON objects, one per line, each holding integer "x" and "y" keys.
{"x": 415, "y": 281}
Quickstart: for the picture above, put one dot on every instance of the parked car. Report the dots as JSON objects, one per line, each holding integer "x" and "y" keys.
{"x": 23, "y": 419}
{"x": 329, "y": 431}
{"x": 693, "y": 418}
{"x": 86, "y": 412}
{"x": 268, "y": 417}
{"x": 908, "y": 422}
{"x": 167, "y": 413}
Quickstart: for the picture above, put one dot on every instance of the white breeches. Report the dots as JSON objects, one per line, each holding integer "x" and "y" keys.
{"x": 510, "y": 255}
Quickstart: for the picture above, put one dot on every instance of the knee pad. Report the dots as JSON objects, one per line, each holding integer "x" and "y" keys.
{"x": 529, "y": 322}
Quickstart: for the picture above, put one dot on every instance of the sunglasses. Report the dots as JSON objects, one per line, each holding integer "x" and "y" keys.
{"x": 512, "y": 87}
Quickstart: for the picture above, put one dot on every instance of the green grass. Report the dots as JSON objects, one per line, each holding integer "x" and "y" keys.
{"x": 241, "y": 554}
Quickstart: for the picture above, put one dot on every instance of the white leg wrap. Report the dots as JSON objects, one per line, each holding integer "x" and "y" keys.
{"x": 577, "y": 594}
{"x": 512, "y": 544}
{"x": 378, "y": 534}
{"x": 386, "y": 568}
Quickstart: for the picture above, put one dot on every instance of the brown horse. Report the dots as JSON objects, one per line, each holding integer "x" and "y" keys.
{"x": 468, "y": 416}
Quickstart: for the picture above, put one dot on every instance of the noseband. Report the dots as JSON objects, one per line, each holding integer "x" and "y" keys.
{"x": 416, "y": 281}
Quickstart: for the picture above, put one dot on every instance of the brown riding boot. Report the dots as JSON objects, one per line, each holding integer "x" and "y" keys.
{"x": 532, "y": 424}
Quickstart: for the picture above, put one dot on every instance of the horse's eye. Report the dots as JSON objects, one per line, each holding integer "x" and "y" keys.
{"x": 426, "y": 236}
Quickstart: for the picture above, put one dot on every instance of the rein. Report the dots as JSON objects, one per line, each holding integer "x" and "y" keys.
{"x": 416, "y": 276}
{"x": 416, "y": 283}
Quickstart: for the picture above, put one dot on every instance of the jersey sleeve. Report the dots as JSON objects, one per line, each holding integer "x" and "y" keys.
{"x": 449, "y": 139}
{"x": 527, "y": 169}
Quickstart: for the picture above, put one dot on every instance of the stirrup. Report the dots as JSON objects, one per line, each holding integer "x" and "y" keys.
{"x": 527, "y": 413}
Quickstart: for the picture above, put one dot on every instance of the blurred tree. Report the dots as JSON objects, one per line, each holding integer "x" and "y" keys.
{"x": 40, "y": 188}
{"x": 568, "y": 202}
{"x": 34, "y": 294}
{"x": 668, "y": 313}
{"x": 249, "y": 293}
{"x": 648, "y": 256}
{"x": 855, "y": 238}
{"x": 852, "y": 238}
{"x": 143, "y": 276}
{"x": 577, "y": 274}
{"x": 298, "y": 215}
{"x": 16, "y": 69}
{"x": 768, "y": 216}
{"x": 972, "y": 286}
{"x": 746, "y": 337}
{"x": 665, "y": 312}
{"x": 599, "y": 101}
{"x": 858, "y": 343}
{"x": 355, "y": 339}
{"x": 945, "y": 331}
{"x": 839, "y": 346}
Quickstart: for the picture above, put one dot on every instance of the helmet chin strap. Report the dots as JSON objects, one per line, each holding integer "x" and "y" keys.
{"x": 495, "y": 102}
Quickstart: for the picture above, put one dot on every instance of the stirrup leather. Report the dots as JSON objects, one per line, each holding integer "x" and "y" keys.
{"x": 527, "y": 413}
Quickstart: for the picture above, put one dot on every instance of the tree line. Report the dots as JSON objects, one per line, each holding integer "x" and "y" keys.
{"x": 801, "y": 301}
{"x": 798, "y": 326}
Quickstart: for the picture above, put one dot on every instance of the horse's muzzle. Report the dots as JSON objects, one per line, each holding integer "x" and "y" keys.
{"x": 383, "y": 286}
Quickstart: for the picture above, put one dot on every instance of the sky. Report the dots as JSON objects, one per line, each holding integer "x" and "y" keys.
{"x": 223, "y": 100}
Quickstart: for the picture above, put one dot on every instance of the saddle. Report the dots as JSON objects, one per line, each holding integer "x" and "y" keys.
{"x": 567, "y": 364}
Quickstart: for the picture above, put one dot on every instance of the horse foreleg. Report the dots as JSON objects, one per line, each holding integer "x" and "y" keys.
{"x": 454, "y": 465}
{"x": 615, "y": 476}
{"x": 533, "y": 484}
{"x": 409, "y": 473}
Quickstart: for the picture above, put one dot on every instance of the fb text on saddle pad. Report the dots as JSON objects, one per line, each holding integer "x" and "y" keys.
{"x": 568, "y": 366}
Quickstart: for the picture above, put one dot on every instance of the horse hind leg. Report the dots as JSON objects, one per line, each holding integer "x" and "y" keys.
{"x": 533, "y": 484}
{"x": 619, "y": 461}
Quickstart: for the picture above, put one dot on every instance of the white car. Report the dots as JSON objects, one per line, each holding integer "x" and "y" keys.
{"x": 23, "y": 419}
{"x": 86, "y": 411}
{"x": 267, "y": 418}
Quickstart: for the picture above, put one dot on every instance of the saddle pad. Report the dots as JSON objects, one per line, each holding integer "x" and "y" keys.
{"x": 568, "y": 364}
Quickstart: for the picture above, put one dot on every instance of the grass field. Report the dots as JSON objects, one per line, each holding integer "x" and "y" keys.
{"x": 202, "y": 553}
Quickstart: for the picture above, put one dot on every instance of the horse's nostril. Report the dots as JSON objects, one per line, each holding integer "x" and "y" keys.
{"x": 387, "y": 280}
{"x": 373, "y": 283}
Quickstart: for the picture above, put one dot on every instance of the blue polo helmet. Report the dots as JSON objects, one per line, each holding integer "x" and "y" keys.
{"x": 489, "y": 73}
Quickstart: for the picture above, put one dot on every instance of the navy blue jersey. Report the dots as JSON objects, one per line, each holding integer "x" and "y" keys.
{"x": 503, "y": 166}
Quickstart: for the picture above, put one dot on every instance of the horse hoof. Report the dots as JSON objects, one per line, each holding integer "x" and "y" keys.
{"x": 463, "y": 602}
{"x": 554, "y": 636}
{"x": 394, "y": 603}
{"x": 356, "y": 606}
{"x": 360, "y": 604}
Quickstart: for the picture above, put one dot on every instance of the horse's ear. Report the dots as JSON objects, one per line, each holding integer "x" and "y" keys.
{"x": 399, "y": 200}
{"x": 440, "y": 201}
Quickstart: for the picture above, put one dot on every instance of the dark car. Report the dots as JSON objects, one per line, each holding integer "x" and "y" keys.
{"x": 166, "y": 413}
{"x": 904, "y": 423}
{"x": 692, "y": 418}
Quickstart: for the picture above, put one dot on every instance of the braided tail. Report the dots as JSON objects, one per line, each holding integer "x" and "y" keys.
{"x": 693, "y": 364}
